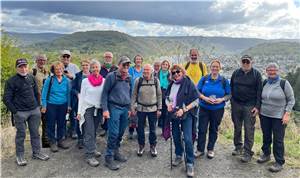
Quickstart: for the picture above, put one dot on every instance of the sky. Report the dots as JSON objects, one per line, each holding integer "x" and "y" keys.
{"x": 266, "y": 19}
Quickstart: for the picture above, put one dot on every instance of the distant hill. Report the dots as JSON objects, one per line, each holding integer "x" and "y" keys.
{"x": 275, "y": 48}
{"x": 25, "y": 39}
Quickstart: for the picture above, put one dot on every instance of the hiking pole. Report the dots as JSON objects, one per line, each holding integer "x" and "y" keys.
{"x": 183, "y": 145}
{"x": 171, "y": 140}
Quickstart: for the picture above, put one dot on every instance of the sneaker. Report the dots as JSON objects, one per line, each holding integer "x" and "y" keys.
{"x": 109, "y": 162}
{"x": 53, "y": 147}
{"x": 190, "y": 170}
{"x": 80, "y": 144}
{"x": 97, "y": 154}
{"x": 198, "y": 153}
{"x": 276, "y": 167}
{"x": 74, "y": 136}
{"x": 210, "y": 154}
{"x": 246, "y": 158}
{"x": 237, "y": 152}
{"x": 40, "y": 156}
{"x": 177, "y": 161}
{"x": 153, "y": 151}
{"x": 141, "y": 150}
{"x": 130, "y": 136}
{"x": 92, "y": 162}
{"x": 102, "y": 133}
{"x": 62, "y": 144}
{"x": 21, "y": 160}
{"x": 119, "y": 157}
{"x": 263, "y": 158}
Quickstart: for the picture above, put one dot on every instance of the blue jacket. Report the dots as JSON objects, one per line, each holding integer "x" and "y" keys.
{"x": 211, "y": 87}
{"x": 59, "y": 92}
{"x": 76, "y": 86}
{"x": 134, "y": 74}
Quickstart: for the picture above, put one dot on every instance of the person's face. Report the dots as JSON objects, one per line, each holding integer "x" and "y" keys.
{"x": 108, "y": 59}
{"x": 177, "y": 74}
{"x": 65, "y": 59}
{"x": 95, "y": 69}
{"x": 246, "y": 64}
{"x": 194, "y": 56}
{"x": 147, "y": 72}
{"x": 272, "y": 72}
{"x": 164, "y": 66}
{"x": 85, "y": 67}
{"x": 156, "y": 66}
{"x": 40, "y": 62}
{"x": 215, "y": 68}
{"x": 124, "y": 68}
{"x": 138, "y": 61}
{"x": 58, "y": 70}
{"x": 23, "y": 69}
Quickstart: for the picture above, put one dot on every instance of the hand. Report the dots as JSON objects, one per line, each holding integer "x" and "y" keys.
{"x": 106, "y": 115}
{"x": 285, "y": 118}
{"x": 158, "y": 113}
{"x": 43, "y": 110}
{"x": 129, "y": 113}
{"x": 69, "y": 109}
{"x": 218, "y": 100}
{"x": 78, "y": 116}
{"x": 78, "y": 96}
{"x": 208, "y": 100}
{"x": 133, "y": 112}
{"x": 179, "y": 113}
{"x": 170, "y": 108}
{"x": 69, "y": 75}
{"x": 254, "y": 111}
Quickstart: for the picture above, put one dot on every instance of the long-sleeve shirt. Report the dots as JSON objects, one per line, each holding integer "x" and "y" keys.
{"x": 246, "y": 87}
{"x": 59, "y": 91}
{"x": 73, "y": 69}
{"x": 275, "y": 101}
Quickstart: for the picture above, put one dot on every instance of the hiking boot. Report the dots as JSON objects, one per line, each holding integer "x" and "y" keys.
{"x": 109, "y": 162}
{"x": 62, "y": 144}
{"x": 53, "y": 147}
{"x": 246, "y": 158}
{"x": 40, "y": 156}
{"x": 92, "y": 162}
{"x": 237, "y": 152}
{"x": 119, "y": 157}
{"x": 97, "y": 154}
{"x": 210, "y": 154}
{"x": 130, "y": 136}
{"x": 177, "y": 161}
{"x": 21, "y": 160}
{"x": 153, "y": 151}
{"x": 276, "y": 167}
{"x": 80, "y": 144}
{"x": 263, "y": 158}
{"x": 102, "y": 133}
{"x": 141, "y": 150}
{"x": 190, "y": 170}
{"x": 198, "y": 153}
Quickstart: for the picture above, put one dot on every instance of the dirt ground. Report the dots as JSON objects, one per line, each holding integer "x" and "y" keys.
{"x": 70, "y": 163}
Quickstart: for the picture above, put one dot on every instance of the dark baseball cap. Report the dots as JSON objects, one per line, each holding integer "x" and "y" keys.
{"x": 124, "y": 59}
{"x": 21, "y": 61}
{"x": 246, "y": 57}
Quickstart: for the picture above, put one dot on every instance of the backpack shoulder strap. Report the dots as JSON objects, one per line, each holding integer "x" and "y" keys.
{"x": 187, "y": 65}
{"x": 224, "y": 83}
{"x": 201, "y": 67}
{"x": 34, "y": 72}
{"x": 204, "y": 80}
{"x": 282, "y": 84}
{"x": 140, "y": 81}
{"x": 264, "y": 82}
{"x": 49, "y": 87}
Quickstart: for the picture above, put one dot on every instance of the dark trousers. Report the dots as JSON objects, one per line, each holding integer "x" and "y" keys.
{"x": 273, "y": 126}
{"x": 45, "y": 142}
{"x": 56, "y": 117}
{"x": 104, "y": 125}
{"x": 90, "y": 125}
{"x": 241, "y": 114}
{"x": 152, "y": 118}
{"x": 32, "y": 117}
{"x": 213, "y": 118}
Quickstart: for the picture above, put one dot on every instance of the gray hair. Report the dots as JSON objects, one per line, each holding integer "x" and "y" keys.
{"x": 40, "y": 56}
{"x": 95, "y": 62}
{"x": 272, "y": 65}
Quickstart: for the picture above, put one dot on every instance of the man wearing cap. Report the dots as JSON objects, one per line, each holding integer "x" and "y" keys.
{"x": 246, "y": 87}
{"x": 21, "y": 98}
{"x": 116, "y": 99}
{"x": 40, "y": 73}
{"x": 106, "y": 68}
{"x": 70, "y": 71}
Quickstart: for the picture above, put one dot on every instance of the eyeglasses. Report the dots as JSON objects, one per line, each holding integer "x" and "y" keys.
{"x": 176, "y": 72}
{"x": 66, "y": 56}
{"x": 126, "y": 65}
{"x": 245, "y": 61}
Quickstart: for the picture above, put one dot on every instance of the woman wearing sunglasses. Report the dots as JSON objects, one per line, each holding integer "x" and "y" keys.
{"x": 182, "y": 99}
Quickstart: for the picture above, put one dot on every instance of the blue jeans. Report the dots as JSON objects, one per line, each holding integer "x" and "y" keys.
{"x": 117, "y": 124}
{"x": 184, "y": 126}
{"x": 152, "y": 118}
{"x": 56, "y": 115}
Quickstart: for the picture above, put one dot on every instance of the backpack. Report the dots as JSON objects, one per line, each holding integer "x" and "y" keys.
{"x": 115, "y": 82}
{"x": 222, "y": 78}
{"x": 49, "y": 87}
{"x": 282, "y": 83}
{"x": 140, "y": 84}
{"x": 200, "y": 65}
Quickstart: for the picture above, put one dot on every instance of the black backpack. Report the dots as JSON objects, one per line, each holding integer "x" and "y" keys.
{"x": 282, "y": 83}
{"x": 140, "y": 84}
{"x": 200, "y": 65}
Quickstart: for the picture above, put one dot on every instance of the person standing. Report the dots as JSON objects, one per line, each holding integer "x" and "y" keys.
{"x": 21, "y": 98}
{"x": 276, "y": 105}
{"x": 246, "y": 87}
{"x": 146, "y": 103}
{"x": 115, "y": 102}
{"x": 156, "y": 67}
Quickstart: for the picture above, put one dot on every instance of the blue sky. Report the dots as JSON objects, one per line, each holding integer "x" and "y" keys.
{"x": 268, "y": 19}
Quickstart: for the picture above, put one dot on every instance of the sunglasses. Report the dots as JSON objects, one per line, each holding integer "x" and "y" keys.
{"x": 245, "y": 61}
{"x": 66, "y": 56}
{"x": 176, "y": 72}
{"x": 126, "y": 65}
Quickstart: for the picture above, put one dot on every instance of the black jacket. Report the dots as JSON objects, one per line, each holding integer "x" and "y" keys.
{"x": 76, "y": 87}
{"x": 104, "y": 71}
{"x": 21, "y": 93}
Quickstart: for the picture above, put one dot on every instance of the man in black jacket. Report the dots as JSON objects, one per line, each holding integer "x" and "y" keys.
{"x": 246, "y": 87}
{"x": 21, "y": 98}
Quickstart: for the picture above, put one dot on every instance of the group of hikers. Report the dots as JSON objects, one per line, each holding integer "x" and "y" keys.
{"x": 185, "y": 101}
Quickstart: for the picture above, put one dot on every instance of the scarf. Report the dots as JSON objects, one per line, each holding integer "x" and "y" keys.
{"x": 178, "y": 81}
{"x": 163, "y": 77}
{"x": 273, "y": 80}
{"x": 95, "y": 81}
{"x": 107, "y": 65}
